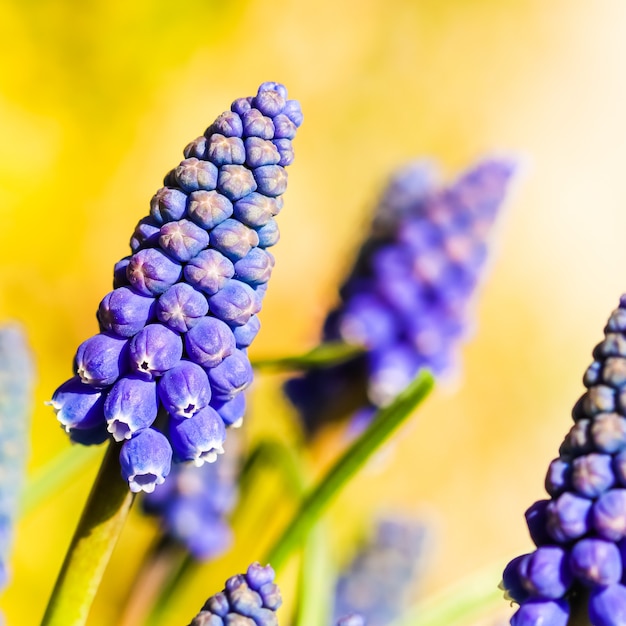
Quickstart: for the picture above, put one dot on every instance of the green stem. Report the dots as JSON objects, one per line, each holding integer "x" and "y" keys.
{"x": 324, "y": 355}
{"x": 382, "y": 426}
{"x": 93, "y": 542}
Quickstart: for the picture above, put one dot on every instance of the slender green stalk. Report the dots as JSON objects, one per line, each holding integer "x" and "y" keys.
{"x": 314, "y": 504}
{"x": 324, "y": 355}
{"x": 54, "y": 475}
{"x": 94, "y": 539}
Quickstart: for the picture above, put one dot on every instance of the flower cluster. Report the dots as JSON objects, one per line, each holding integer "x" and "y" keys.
{"x": 406, "y": 299}
{"x": 175, "y": 329}
{"x": 376, "y": 584}
{"x": 193, "y": 503}
{"x": 16, "y": 382}
{"x": 580, "y": 531}
{"x": 250, "y": 598}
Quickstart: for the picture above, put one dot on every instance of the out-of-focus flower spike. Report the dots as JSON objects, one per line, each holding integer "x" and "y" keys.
{"x": 407, "y": 299}
{"x": 241, "y": 602}
{"x": 16, "y": 388}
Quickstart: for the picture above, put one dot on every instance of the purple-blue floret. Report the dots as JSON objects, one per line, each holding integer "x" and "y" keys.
{"x": 585, "y": 517}
{"x": 243, "y": 601}
{"x": 166, "y": 372}
{"x": 407, "y": 299}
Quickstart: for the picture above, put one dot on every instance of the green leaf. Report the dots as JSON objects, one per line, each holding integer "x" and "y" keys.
{"x": 385, "y": 422}
{"x": 55, "y": 475}
{"x": 324, "y": 355}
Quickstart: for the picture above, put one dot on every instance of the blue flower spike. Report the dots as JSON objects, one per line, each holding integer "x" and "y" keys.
{"x": 407, "y": 300}
{"x": 580, "y": 532}
{"x": 250, "y": 598}
{"x": 16, "y": 388}
{"x": 166, "y": 372}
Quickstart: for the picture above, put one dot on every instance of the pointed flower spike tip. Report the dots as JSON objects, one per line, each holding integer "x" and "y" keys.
{"x": 174, "y": 331}
{"x": 579, "y": 562}
{"x": 407, "y": 300}
{"x": 250, "y": 598}
{"x": 16, "y": 388}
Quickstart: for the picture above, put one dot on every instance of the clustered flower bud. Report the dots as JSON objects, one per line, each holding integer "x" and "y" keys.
{"x": 250, "y": 598}
{"x": 16, "y": 387}
{"x": 406, "y": 300}
{"x": 375, "y": 589}
{"x": 165, "y": 373}
{"x": 193, "y": 504}
{"x": 580, "y": 530}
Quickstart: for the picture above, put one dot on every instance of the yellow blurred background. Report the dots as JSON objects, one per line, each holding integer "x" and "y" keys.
{"x": 97, "y": 100}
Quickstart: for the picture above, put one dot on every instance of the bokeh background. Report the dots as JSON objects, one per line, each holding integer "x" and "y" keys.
{"x": 97, "y": 100}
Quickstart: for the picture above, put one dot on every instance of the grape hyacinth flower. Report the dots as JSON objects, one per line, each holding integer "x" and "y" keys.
{"x": 165, "y": 374}
{"x": 406, "y": 300}
{"x": 375, "y": 587}
{"x": 193, "y": 504}
{"x": 16, "y": 386}
{"x": 250, "y": 598}
{"x": 580, "y": 530}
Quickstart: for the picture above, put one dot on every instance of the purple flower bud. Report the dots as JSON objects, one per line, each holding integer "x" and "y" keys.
{"x": 228, "y": 123}
{"x": 258, "y": 576}
{"x": 270, "y": 85}
{"x": 271, "y": 180}
{"x": 593, "y": 374}
{"x": 168, "y": 205}
{"x": 545, "y": 573}
{"x": 209, "y": 271}
{"x": 151, "y": 271}
{"x": 124, "y": 312}
{"x": 609, "y": 515}
{"x": 616, "y": 322}
{"x": 209, "y": 208}
{"x": 578, "y": 440}
{"x": 154, "y": 350}
{"x": 568, "y": 517}
{"x": 226, "y": 150}
{"x": 269, "y": 101}
{"x": 614, "y": 344}
{"x": 540, "y": 612}
{"x": 599, "y": 399}
{"x": 193, "y": 174}
{"x": 130, "y": 406}
{"x": 146, "y": 234}
{"x": 293, "y": 111}
{"x": 184, "y": 390}
{"x": 536, "y": 520}
{"x": 77, "y": 405}
{"x": 592, "y": 474}
{"x": 235, "y": 303}
{"x": 244, "y": 335}
{"x": 183, "y": 240}
{"x": 145, "y": 460}
{"x": 255, "y": 268}
{"x": 196, "y": 148}
{"x": 231, "y": 376}
{"x": 367, "y": 321}
{"x": 199, "y": 438}
{"x": 596, "y": 562}
{"x": 119, "y": 273}
{"x": 255, "y": 124}
{"x": 101, "y": 359}
{"x": 608, "y": 431}
{"x": 284, "y": 128}
{"x": 255, "y": 209}
{"x": 241, "y": 105}
{"x": 511, "y": 584}
{"x": 269, "y": 235}
{"x": 233, "y": 239}
{"x": 231, "y": 411}
{"x": 285, "y": 149}
{"x": 558, "y": 477}
{"x": 607, "y": 605}
{"x": 209, "y": 342}
{"x": 235, "y": 181}
{"x": 181, "y": 307}
{"x": 614, "y": 372}
{"x": 260, "y": 152}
